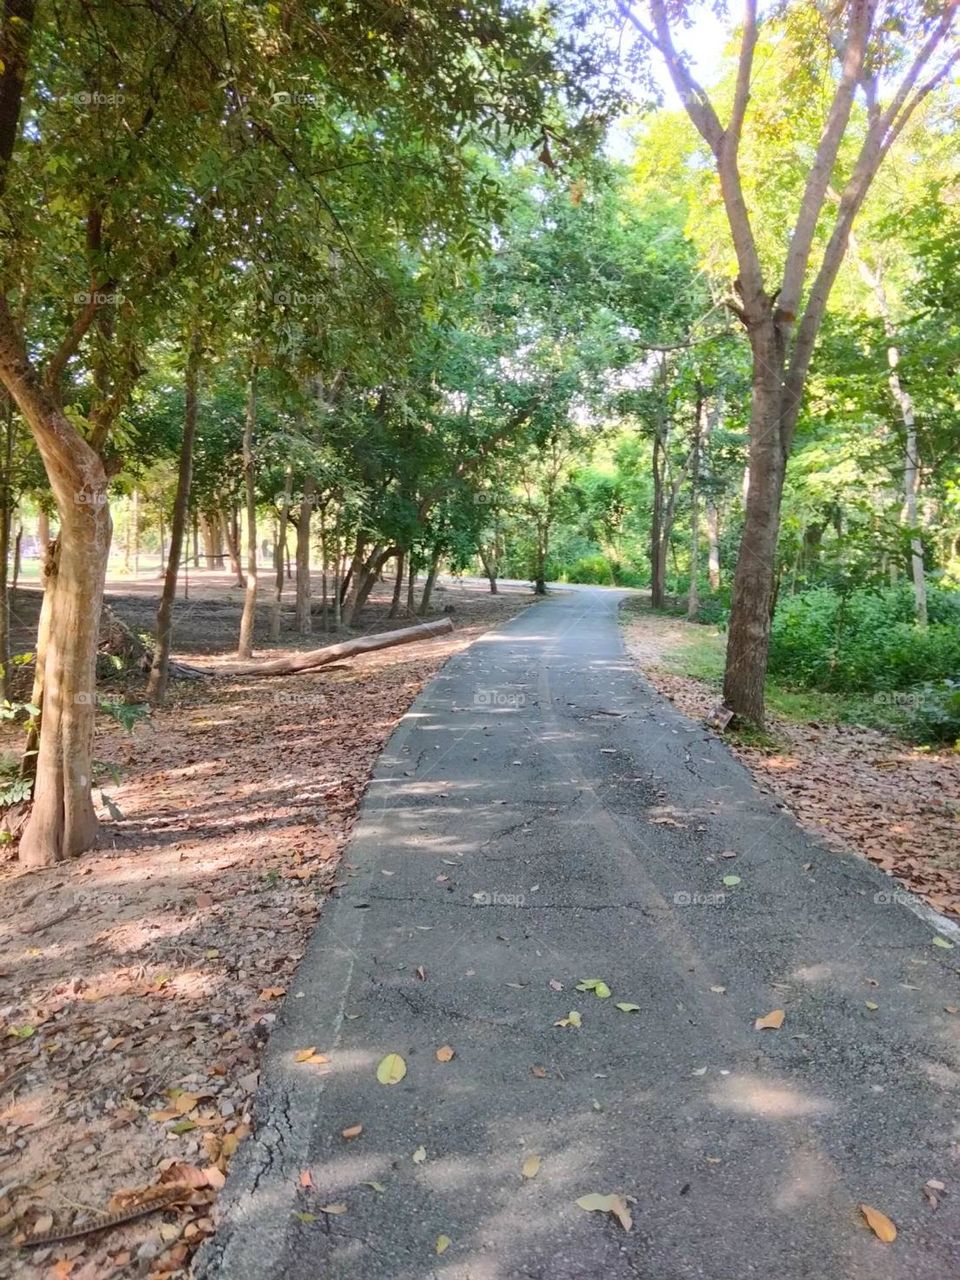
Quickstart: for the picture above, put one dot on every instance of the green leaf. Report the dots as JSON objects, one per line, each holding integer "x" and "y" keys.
{"x": 730, "y": 881}
{"x": 942, "y": 942}
{"x": 392, "y": 1069}
{"x": 627, "y": 1007}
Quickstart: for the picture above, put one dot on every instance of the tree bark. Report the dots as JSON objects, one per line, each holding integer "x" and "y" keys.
{"x": 62, "y": 821}
{"x": 753, "y": 584}
{"x": 248, "y": 618}
{"x": 397, "y": 586}
{"x": 411, "y": 584}
{"x": 489, "y": 567}
{"x": 693, "y": 595}
{"x": 6, "y": 514}
{"x": 431, "y": 579}
{"x": 159, "y": 667}
{"x": 281, "y": 548}
{"x": 304, "y": 616}
{"x": 231, "y": 532}
{"x": 657, "y": 556}
{"x": 331, "y": 653}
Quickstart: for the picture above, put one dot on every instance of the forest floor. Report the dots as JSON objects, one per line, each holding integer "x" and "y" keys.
{"x": 854, "y": 786}
{"x": 138, "y": 984}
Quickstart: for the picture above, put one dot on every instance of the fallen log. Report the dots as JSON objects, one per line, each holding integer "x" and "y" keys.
{"x": 331, "y": 653}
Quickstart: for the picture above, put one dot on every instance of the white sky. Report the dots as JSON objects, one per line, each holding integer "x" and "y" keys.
{"x": 703, "y": 42}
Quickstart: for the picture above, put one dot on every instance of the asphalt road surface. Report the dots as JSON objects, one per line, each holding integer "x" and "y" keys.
{"x": 541, "y": 817}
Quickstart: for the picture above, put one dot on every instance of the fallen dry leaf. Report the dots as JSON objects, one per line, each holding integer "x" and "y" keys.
{"x": 306, "y": 1178}
{"x": 614, "y": 1204}
{"x": 531, "y": 1166}
{"x": 443, "y": 1243}
{"x": 333, "y": 1209}
{"x": 879, "y": 1224}
{"x": 770, "y": 1021}
{"x": 445, "y": 1053}
{"x": 352, "y": 1131}
{"x": 310, "y": 1055}
{"x": 419, "y": 1155}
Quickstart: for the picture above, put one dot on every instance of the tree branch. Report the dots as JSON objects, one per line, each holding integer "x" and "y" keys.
{"x": 818, "y": 179}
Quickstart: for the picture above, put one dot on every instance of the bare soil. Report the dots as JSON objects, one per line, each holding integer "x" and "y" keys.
{"x": 138, "y": 984}
{"x": 854, "y": 787}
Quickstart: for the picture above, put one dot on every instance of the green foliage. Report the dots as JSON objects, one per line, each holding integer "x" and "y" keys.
{"x": 865, "y": 641}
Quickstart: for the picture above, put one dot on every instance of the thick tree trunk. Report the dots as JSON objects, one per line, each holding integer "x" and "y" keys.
{"x": 249, "y": 616}
{"x": 365, "y": 579}
{"x": 159, "y": 668}
{"x": 304, "y": 617}
{"x": 431, "y": 579}
{"x": 489, "y": 567}
{"x": 748, "y": 640}
{"x": 62, "y": 821}
{"x": 397, "y": 586}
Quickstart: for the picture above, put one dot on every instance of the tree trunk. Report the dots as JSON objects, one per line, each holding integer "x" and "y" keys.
{"x": 281, "y": 547}
{"x": 331, "y": 653}
{"x": 159, "y": 668}
{"x": 713, "y": 544}
{"x": 397, "y": 586}
{"x": 693, "y": 595}
{"x": 657, "y": 556}
{"x": 489, "y": 567}
{"x": 304, "y": 618}
{"x": 6, "y": 513}
{"x": 411, "y": 585}
{"x": 43, "y": 533}
{"x": 231, "y": 531}
{"x": 248, "y": 618}
{"x": 136, "y": 533}
{"x": 62, "y": 821}
{"x": 748, "y": 641}
{"x": 431, "y": 579}
{"x": 365, "y": 579}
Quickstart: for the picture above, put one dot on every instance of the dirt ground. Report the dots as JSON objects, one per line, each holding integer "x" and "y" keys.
{"x": 138, "y": 984}
{"x": 854, "y": 787}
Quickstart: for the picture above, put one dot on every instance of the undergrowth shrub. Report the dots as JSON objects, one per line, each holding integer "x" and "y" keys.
{"x": 865, "y": 641}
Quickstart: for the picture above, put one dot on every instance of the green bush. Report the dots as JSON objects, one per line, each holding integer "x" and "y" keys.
{"x": 593, "y": 570}
{"x": 865, "y": 641}
{"x": 934, "y": 715}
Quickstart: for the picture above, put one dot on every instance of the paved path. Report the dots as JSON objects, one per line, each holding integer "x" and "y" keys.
{"x": 540, "y": 776}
